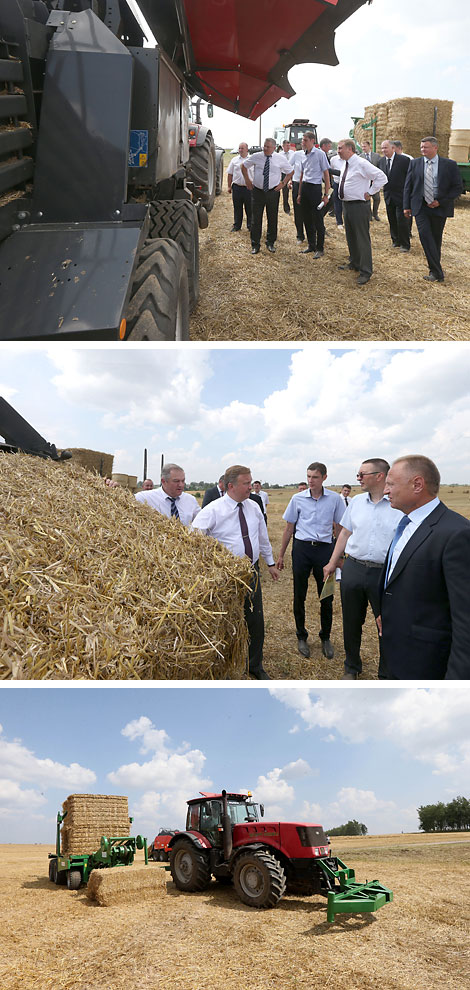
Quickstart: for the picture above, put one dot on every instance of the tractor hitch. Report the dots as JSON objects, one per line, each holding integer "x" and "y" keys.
{"x": 351, "y": 897}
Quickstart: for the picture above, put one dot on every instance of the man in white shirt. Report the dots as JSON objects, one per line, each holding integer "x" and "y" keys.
{"x": 336, "y": 164}
{"x": 296, "y": 163}
{"x": 368, "y": 525}
{"x": 359, "y": 180}
{"x": 287, "y": 152}
{"x": 263, "y": 496}
{"x": 266, "y": 184}
{"x": 237, "y": 522}
{"x": 241, "y": 195}
{"x": 171, "y": 499}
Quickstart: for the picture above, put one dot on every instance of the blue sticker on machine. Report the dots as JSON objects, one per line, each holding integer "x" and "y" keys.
{"x": 138, "y": 149}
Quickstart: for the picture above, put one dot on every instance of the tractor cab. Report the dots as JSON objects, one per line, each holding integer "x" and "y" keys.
{"x": 206, "y": 814}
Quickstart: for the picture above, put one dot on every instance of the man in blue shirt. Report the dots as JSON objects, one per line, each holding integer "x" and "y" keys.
{"x": 315, "y": 167}
{"x": 432, "y": 184}
{"x": 313, "y": 514}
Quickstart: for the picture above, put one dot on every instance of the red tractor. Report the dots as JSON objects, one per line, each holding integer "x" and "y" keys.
{"x": 226, "y": 838}
{"x": 159, "y": 850}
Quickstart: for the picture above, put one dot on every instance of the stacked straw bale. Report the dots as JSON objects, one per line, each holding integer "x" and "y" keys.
{"x": 408, "y": 120}
{"x": 89, "y": 816}
{"x": 127, "y": 884}
{"x": 95, "y": 585}
{"x": 93, "y": 460}
{"x": 459, "y": 145}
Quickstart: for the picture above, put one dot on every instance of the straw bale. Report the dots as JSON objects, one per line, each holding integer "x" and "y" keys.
{"x": 409, "y": 120}
{"x": 88, "y": 817}
{"x": 95, "y": 585}
{"x": 127, "y": 884}
{"x": 93, "y": 460}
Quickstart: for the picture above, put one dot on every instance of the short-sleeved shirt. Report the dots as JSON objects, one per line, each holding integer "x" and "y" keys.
{"x": 313, "y": 518}
{"x": 314, "y": 165}
{"x": 186, "y": 504}
{"x": 296, "y": 164}
{"x": 235, "y": 169}
{"x": 277, "y": 166}
{"x": 372, "y": 525}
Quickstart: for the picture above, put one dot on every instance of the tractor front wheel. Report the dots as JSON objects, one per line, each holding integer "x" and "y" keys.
{"x": 74, "y": 879}
{"x": 189, "y": 867}
{"x": 259, "y": 879}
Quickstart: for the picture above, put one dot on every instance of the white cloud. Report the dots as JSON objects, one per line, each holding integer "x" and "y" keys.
{"x": 20, "y": 764}
{"x": 273, "y": 791}
{"x": 13, "y": 798}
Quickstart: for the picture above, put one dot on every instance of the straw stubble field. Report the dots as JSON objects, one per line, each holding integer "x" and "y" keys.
{"x": 55, "y": 939}
{"x": 289, "y": 296}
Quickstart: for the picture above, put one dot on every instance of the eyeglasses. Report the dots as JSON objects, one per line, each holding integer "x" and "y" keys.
{"x": 363, "y": 474}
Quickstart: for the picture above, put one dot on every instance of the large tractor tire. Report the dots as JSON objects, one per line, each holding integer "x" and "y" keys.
{"x": 259, "y": 879}
{"x": 177, "y": 219}
{"x": 189, "y": 867}
{"x": 219, "y": 173}
{"x": 159, "y": 304}
{"x": 202, "y": 171}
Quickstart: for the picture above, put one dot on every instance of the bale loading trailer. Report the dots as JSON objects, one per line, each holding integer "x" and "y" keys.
{"x": 75, "y": 869}
{"x": 226, "y": 838}
{"x": 101, "y": 197}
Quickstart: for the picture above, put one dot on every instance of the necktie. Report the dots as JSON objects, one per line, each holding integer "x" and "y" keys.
{"x": 174, "y": 509}
{"x": 343, "y": 180}
{"x": 368, "y": 157}
{"x": 387, "y": 166}
{"x": 428, "y": 182}
{"x": 244, "y": 529}
{"x": 399, "y": 530}
{"x": 346, "y": 501}
{"x": 266, "y": 176}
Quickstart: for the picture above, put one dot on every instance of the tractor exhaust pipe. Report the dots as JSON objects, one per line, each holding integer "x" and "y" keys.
{"x": 227, "y": 827}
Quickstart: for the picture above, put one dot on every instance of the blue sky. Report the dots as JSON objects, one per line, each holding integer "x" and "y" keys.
{"x": 324, "y": 756}
{"x": 274, "y": 409}
{"x": 387, "y": 50}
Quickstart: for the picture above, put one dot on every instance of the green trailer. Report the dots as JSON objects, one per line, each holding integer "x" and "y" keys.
{"x": 464, "y": 170}
{"x": 75, "y": 869}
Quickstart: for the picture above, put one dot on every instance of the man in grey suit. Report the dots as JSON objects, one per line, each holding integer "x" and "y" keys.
{"x": 373, "y": 157}
{"x": 424, "y": 588}
{"x": 432, "y": 184}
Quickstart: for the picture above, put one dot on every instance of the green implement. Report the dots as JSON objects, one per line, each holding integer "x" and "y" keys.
{"x": 347, "y": 896}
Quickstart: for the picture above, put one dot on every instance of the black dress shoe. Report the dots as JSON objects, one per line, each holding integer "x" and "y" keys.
{"x": 271, "y": 248}
{"x": 404, "y": 250}
{"x": 303, "y": 647}
{"x": 376, "y": 218}
{"x": 309, "y": 250}
{"x": 260, "y": 674}
{"x": 327, "y": 649}
{"x": 363, "y": 279}
{"x": 232, "y": 229}
{"x": 255, "y": 250}
{"x": 318, "y": 254}
{"x": 347, "y": 268}
{"x": 432, "y": 278}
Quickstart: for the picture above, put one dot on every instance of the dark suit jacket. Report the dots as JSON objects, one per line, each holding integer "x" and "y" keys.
{"x": 426, "y": 604}
{"x": 210, "y": 495}
{"x": 259, "y": 501}
{"x": 393, "y": 191}
{"x": 449, "y": 187}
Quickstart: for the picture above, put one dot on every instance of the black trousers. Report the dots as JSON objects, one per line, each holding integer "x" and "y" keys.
{"x": 430, "y": 229}
{"x": 399, "y": 224}
{"x": 241, "y": 197}
{"x": 254, "y": 619}
{"x": 338, "y": 204}
{"x": 285, "y": 194}
{"x": 357, "y": 229}
{"x": 307, "y": 559}
{"x": 298, "y": 215}
{"x": 261, "y": 201}
{"x": 310, "y": 197}
{"x": 359, "y": 588}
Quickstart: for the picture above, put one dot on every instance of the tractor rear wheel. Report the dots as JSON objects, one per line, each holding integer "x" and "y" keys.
{"x": 74, "y": 879}
{"x": 53, "y": 870}
{"x": 189, "y": 867}
{"x": 259, "y": 879}
{"x": 162, "y": 856}
{"x": 177, "y": 219}
{"x": 155, "y": 855}
{"x": 202, "y": 171}
{"x": 159, "y": 305}
{"x": 219, "y": 179}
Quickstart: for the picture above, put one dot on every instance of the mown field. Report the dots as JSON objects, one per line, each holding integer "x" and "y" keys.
{"x": 282, "y": 659}
{"x": 289, "y": 296}
{"x": 55, "y": 939}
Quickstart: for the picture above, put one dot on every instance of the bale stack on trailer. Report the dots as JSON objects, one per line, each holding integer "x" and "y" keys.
{"x": 408, "y": 120}
{"x": 93, "y": 460}
{"x": 95, "y": 585}
{"x": 89, "y": 817}
{"x": 459, "y": 145}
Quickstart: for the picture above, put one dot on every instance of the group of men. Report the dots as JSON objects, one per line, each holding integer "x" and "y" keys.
{"x": 424, "y": 188}
{"x": 400, "y": 550}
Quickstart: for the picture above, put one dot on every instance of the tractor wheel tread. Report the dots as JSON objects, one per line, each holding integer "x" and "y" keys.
{"x": 158, "y": 308}
{"x": 189, "y": 867}
{"x": 202, "y": 170}
{"x": 271, "y": 875}
{"x": 177, "y": 220}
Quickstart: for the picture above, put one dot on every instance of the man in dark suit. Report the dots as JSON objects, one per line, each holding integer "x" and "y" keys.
{"x": 216, "y": 492}
{"x": 396, "y": 169}
{"x": 374, "y": 157}
{"x": 425, "y": 598}
{"x": 431, "y": 185}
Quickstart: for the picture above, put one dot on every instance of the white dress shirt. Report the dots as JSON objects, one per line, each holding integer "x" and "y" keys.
{"x": 235, "y": 170}
{"x": 288, "y": 158}
{"x": 264, "y": 498}
{"x": 221, "y": 520}
{"x": 336, "y": 162}
{"x": 361, "y": 177}
{"x": 417, "y": 517}
{"x": 186, "y": 504}
{"x": 312, "y": 517}
{"x": 372, "y": 525}
{"x": 296, "y": 164}
{"x": 277, "y": 165}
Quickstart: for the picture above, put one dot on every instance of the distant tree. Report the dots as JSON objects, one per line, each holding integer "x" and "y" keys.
{"x": 440, "y": 817}
{"x": 351, "y": 828}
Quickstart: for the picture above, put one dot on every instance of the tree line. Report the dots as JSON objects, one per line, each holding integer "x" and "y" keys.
{"x": 351, "y": 828}
{"x": 440, "y": 817}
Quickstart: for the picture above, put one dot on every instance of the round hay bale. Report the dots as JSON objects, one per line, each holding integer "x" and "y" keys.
{"x": 127, "y": 884}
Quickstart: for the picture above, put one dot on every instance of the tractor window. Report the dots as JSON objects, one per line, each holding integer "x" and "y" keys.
{"x": 243, "y": 812}
{"x": 211, "y": 815}
{"x": 193, "y": 817}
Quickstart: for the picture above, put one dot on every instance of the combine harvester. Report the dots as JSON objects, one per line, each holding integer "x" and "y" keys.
{"x": 104, "y": 180}
{"x": 226, "y": 838}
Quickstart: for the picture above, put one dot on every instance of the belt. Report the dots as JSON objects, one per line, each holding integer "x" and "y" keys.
{"x": 354, "y": 201}
{"x": 365, "y": 563}
{"x": 314, "y": 543}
